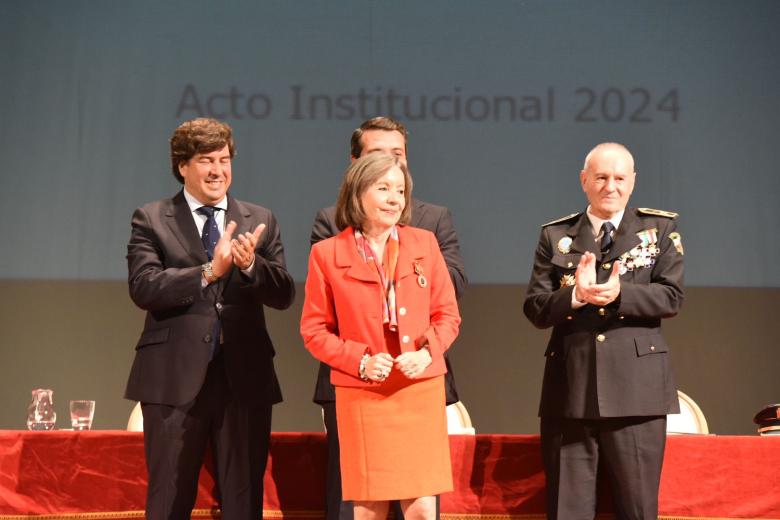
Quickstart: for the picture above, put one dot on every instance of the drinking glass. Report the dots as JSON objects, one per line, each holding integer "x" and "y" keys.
{"x": 81, "y": 413}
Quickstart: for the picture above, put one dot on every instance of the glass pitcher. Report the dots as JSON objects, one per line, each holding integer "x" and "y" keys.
{"x": 40, "y": 413}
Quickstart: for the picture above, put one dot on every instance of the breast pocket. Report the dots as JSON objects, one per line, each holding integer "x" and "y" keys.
{"x": 565, "y": 266}
{"x": 652, "y": 344}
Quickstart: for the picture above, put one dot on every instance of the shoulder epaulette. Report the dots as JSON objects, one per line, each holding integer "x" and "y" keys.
{"x": 657, "y": 212}
{"x": 562, "y": 219}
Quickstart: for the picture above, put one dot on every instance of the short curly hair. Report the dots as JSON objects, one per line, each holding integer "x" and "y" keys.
{"x": 201, "y": 135}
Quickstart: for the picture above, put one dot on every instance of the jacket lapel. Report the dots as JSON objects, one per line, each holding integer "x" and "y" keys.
{"x": 237, "y": 213}
{"x": 183, "y": 227}
{"x": 347, "y": 257}
{"x": 583, "y": 236}
{"x": 407, "y": 256}
{"x": 626, "y": 235}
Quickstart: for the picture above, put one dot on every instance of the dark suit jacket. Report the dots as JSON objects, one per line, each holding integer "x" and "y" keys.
{"x": 436, "y": 219}
{"x": 164, "y": 258}
{"x": 610, "y": 361}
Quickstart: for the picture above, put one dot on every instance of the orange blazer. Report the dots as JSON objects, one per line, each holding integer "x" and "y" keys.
{"x": 342, "y": 311}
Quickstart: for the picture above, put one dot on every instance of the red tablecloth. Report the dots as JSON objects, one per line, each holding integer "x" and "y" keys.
{"x": 101, "y": 474}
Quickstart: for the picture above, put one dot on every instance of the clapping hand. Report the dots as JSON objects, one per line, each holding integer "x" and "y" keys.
{"x": 586, "y": 288}
{"x": 222, "y": 260}
{"x": 243, "y": 246}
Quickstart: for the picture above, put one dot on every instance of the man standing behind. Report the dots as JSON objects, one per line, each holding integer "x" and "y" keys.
{"x": 603, "y": 280}
{"x": 381, "y": 134}
{"x": 203, "y": 369}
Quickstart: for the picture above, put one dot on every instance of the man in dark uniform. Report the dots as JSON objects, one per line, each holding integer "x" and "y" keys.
{"x": 604, "y": 279}
{"x": 203, "y": 368}
{"x": 381, "y": 134}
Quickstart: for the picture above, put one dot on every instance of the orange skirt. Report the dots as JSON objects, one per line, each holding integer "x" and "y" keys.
{"x": 393, "y": 439}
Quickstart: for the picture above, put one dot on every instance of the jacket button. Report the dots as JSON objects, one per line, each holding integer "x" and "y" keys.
{"x": 218, "y": 306}
{"x": 621, "y": 317}
{"x": 405, "y": 339}
{"x": 652, "y": 348}
{"x": 602, "y": 312}
{"x": 552, "y": 354}
{"x": 207, "y": 338}
{"x": 600, "y": 338}
{"x": 402, "y": 311}
{"x": 569, "y": 318}
{"x": 606, "y": 266}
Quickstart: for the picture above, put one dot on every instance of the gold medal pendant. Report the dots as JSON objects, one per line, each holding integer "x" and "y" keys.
{"x": 421, "y": 280}
{"x": 567, "y": 280}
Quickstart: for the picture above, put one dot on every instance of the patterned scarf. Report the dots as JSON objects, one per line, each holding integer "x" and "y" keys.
{"x": 386, "y": 275}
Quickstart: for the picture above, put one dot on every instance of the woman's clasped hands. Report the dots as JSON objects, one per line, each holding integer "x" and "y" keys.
{"x": 411, "y": 364}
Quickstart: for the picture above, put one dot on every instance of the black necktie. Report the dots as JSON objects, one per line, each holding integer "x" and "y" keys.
{"x": 210, "y": 235}
{"x": 606, "y": 236}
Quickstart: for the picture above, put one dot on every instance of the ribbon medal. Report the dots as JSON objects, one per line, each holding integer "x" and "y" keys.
{"x": 648, "y": 236}
{"x": 421, "y": 280}
{"x": 642, "y": 255}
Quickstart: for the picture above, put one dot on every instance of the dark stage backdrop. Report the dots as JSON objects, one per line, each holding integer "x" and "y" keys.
{"x": 503, "y": 100}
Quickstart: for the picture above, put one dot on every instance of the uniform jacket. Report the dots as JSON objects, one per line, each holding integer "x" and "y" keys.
{"x": 164, "y": 258}
{"x": 342, "y": 311}
{"x": 608, "y": 361}
{"x": 437, "y": 220}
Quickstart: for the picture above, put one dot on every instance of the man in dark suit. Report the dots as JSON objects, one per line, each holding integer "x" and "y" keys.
{"x": 203, "y": 369}
{"x": 381, "y": 134}
{"x": 603, "y": 280}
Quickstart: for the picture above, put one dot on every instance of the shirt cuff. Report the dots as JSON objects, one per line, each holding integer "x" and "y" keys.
{"x": 251, "y": 269}
{"x": 576, "y": 304}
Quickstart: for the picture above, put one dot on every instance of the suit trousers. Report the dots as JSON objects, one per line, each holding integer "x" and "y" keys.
{"x": 335, "y": 508}
{"x": 629, "y": 449}
{"x": 175, "y": 442}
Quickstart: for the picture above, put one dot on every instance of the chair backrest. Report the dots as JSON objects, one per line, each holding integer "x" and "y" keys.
{"x": 689, "y": 420}
{"x": 458, "y": 420}
{"x": 136, "y": 421}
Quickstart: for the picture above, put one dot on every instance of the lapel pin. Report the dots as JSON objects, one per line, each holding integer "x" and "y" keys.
{"x": 564, "y": 245}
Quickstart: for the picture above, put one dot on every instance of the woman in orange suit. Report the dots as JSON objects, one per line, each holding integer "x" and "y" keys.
{"x": 380, "y": 309}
